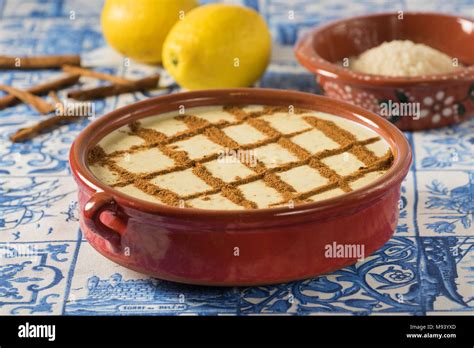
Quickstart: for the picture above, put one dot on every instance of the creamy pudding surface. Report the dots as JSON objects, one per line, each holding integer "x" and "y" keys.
{"x": 240, "y": 157}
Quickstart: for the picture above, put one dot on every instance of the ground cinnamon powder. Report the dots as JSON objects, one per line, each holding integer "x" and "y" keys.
{"x": 196, "y": 125}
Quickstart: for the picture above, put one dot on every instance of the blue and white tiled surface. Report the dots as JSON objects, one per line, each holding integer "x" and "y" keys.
{"x": 46, "y": 266}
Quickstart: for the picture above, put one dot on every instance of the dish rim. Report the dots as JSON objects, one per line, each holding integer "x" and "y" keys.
{"x": 317, "y": 64}
{"x": 96, "y": 130}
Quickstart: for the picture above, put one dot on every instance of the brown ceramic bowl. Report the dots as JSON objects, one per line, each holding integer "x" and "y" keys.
{"x": 444, "y": 98}
{"x": 198, "y": 246}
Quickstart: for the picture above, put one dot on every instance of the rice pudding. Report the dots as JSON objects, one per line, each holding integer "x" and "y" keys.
{"x": 240, "y": 157}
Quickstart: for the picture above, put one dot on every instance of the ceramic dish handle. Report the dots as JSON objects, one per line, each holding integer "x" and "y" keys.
{"x": 95, "y": 206}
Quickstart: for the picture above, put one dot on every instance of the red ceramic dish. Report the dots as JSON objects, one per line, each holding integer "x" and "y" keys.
{"x": 444, "y": 98}
{"x": 225, "y": 247}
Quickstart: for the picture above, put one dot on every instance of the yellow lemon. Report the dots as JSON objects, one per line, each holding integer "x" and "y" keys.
{"x": 137, "y": 28}
{"x": 217, "y": 46}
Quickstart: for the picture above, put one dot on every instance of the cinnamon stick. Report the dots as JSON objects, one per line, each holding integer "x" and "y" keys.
{"x": 38, "y": 62}
{"x": 97, "y": 75}
{"x": 43, "y": 88}
{"x": 42, "y": 126}
{"x": 145, "y": 83}
{"x": 28, "y": 98}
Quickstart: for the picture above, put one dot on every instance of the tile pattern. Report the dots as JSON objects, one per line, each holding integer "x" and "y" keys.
{"x": 46, "y": 267}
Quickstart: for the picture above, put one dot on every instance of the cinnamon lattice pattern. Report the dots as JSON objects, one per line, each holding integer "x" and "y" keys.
{"x": 250, "y": 183}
